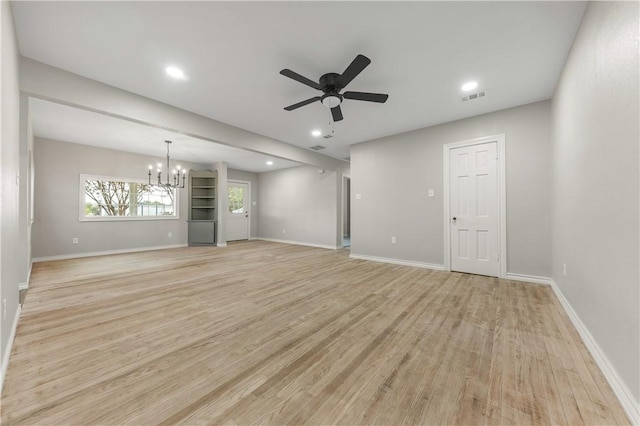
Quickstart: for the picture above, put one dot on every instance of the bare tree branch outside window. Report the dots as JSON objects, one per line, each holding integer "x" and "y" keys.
{"x": 119, "y": 198}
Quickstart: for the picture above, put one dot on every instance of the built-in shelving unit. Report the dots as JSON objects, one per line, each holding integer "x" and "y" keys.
{"x": 202, "y": 207}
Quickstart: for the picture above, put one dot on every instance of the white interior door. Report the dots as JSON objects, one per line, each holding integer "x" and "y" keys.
{"x": 238, "y": 214}
{"x": 474, "y": 209}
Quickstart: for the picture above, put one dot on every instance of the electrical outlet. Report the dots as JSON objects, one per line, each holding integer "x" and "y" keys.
{"x": 393, "y": 240}
{"x": 169, "y": 235}
{"x": 358, "y": 196}
{"x": 564, "y": 269}
{"x": 75, "y": 240}
{"x": 284, "y": 231}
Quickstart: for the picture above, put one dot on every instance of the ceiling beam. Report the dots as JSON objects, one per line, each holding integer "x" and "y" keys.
{"x": 43, "y": 81}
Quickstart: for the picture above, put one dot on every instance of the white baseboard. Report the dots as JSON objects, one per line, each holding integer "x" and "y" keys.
{"x": 104, "y": 253}
{"x": 398, "y": 262}
{"x": 7, "y": 351}
{"x": 298, "y": 243}
{"x": 25, "y": 285}
{"x": 630, "y": 405}
{"x": 529, "y": 279}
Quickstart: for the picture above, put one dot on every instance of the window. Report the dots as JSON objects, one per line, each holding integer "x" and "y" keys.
{"x": 236, "y": 200}
{"x": 110, "y": 198}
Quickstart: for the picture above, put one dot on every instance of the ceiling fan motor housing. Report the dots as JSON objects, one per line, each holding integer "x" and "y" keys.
{"x": 331, "y": 83}
{"x": 331, "y": 87}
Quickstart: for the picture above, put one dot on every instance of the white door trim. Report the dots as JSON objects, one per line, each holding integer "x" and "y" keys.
{"x": 502, "y": 198}
{"x": 250, "y": 202}
{"x": 344, "y": 188}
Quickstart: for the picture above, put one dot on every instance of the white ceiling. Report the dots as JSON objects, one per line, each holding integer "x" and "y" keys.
{"x": 64, "y": 123}
{"x": 232, "y": 52}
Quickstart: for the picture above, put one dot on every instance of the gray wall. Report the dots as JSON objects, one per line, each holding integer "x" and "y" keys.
{"x": 11, "y": 266}
{"x": 595, "y": 198}
{"x": 255, "y": 208}
{"x": 303, "y": 202}
{"x": 26, "y": 192}
{"x": 58, "y": 166}
{"x": 222, "y": 202}
{"x": 393, "y": 174}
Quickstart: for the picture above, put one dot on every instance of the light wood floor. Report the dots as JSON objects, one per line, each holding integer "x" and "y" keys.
{"x": 262, "y": 332}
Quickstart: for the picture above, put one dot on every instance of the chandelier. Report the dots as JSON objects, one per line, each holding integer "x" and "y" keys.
{"x": 176, "y": 174}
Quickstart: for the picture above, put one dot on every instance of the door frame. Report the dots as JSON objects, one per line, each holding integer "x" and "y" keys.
{"x": 502, "y": 198}
{"x": 249, "y": 205}
{"x": 346, "y": 180}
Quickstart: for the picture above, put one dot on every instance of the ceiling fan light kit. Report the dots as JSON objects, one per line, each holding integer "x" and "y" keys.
{"x": 331, "y": 84}
{"x": 331, "y": 100}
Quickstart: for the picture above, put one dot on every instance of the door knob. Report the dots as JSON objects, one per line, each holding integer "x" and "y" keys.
{"x": 453, "y": 220}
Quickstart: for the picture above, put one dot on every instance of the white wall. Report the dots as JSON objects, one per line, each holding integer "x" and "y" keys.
{"x": 12, "y": 268}
{"x": 393, "y": 175}
{"x": 301, "y": 201}
{"x": 596, "y": 190}
{"x": 58, "y": 166}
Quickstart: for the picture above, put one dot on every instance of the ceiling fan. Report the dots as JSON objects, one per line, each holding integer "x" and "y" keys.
{"x": 332, "y": 83}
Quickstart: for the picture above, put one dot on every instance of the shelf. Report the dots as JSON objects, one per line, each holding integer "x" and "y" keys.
{"x": 202, "y": 206}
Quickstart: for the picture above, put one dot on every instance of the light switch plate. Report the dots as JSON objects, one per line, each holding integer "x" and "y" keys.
{"x": 431, "y": 193}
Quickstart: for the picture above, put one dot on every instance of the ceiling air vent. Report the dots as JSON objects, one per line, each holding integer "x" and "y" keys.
{"x": 317, "y": 147}
{"x": 474, "y": 96}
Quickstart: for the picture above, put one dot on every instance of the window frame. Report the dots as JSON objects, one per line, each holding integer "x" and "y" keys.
{"x": 81, "y": 205}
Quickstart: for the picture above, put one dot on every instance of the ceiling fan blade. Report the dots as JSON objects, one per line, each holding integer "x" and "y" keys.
{"x": 297, "y": 77}
{"x": 364, "y": 96}
{"x": 336, "y": 113}
{"x": 303, "y": 103}
{"x": 354, "y": 68}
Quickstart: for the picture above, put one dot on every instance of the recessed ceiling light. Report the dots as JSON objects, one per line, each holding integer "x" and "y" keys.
{"x": 316, "y": 133}
{"x": 469, "y": 86}
{"x": 175, "y": 72}
{"x": 269, "y": 163}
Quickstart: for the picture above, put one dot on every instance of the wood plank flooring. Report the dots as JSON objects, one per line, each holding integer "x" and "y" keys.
{"x": 268, "y": 333}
